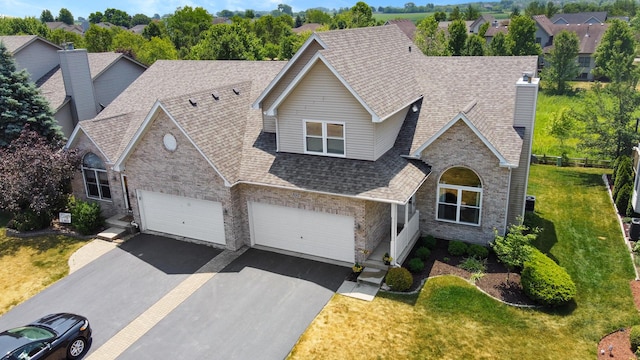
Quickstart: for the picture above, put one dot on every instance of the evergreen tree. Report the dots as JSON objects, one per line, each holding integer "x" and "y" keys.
{"x": 474, "y": 46}
{"x": 22, "y": 104}
{"x": 65, "y": 16}
{"x": 499, "y": 45}
{"x": 46, "y": 16}
{"x": 457, "y": 37}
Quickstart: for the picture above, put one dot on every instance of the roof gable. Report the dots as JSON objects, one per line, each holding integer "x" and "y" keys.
{"x": 16, "y": 43}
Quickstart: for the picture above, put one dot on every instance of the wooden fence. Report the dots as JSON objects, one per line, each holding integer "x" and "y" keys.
{"x": 578, "y": 162}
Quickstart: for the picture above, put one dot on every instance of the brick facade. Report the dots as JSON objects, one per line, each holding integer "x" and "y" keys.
{"x": 459, "y": 146}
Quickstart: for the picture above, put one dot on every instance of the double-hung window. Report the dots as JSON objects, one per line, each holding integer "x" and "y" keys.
{"x": 96, "y": 181}
{"x": 460, "y": 196}
{"x": 324, "y": 137}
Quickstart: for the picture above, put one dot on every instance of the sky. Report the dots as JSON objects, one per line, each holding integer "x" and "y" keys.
{"x": 82, "y": 8}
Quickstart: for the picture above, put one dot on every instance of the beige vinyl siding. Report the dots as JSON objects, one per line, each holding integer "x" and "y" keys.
{"x": 115, "y": 79}
{"x": 269, "y": 122}
{"x": 387, "y": 131}
{"x": 64, "y": 118}
{"x": 321, "y": 96}
{"x": 524, "y": 114}
{"x": 38, "y": 58}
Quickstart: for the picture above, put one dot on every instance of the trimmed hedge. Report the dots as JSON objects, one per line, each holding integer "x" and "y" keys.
{"x": 546, "y": 282}
{"x": 416, "y": 265}
{"x": 457, "y": 248}
{"x": 423, "y": 253}
{"x": 399, "y": 279}
{"x": 479, "y": 251}
{"x": 85, "y": 217}
{"x": 429, "y": 241}
{"x": 634, "y": 337}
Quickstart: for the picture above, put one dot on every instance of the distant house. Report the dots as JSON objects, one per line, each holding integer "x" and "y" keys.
{"x": 356, "y": 145}
{"x": 580, "y": 18}
{"x": 138, "y": 29}
{"x": 406, "y": 25}
{"x": 55, "y": 25}
{"x": 306, "y": 27}
{"x": 484, "y": 18}
{"x": 444, "y": 25}
{"x": 221, "y": 20}
{"x": 588, "y": 34}
{"x": 77, "y": 84}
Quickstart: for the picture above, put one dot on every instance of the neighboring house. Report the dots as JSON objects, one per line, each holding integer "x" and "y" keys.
{"x": 358, "y": 143}
{"x": 221, "y": 20}
{"x": 138, "y": 29}
{"x": 588, "y": 34}
{"x": 484, "y": 18}
{"x": 579, "y": 18}
{"x": 306, "y": 27}
{"x": 54, "y": 25}
{"x": 444, "y": 25}
{"x": 76, "y": 84}
{"x": 406, "y": 25}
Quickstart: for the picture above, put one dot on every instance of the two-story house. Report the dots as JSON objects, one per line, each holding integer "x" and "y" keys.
{"x": 76, "y": 84}
{"x": 358, "y": 142}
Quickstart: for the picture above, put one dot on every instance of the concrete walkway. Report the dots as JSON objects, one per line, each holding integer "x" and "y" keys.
{"x": 86, "y": 254}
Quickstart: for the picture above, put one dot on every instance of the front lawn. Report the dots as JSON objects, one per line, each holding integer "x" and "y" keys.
{"x": 30, "y": 265}
{"x": 450, "y": 319}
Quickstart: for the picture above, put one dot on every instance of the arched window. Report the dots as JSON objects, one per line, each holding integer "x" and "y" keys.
{"x": 460, "y": 196}
{"x": 96, "y": 181}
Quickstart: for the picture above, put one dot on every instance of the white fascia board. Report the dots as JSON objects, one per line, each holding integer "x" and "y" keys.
{"x": 461, "y": 116}
{"x": 319, "y": 57}
{"x": 285, "y": 69}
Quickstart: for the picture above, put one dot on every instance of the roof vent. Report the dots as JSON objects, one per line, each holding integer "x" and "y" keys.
{"x": 236, "y": 91}
{"x": 216, "y": 96}
{"x": 193, "y": 101}
{"x": 409, "y": 48}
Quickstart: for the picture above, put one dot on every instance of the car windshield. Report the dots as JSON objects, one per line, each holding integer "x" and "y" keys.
{"x": 31, "y": 333}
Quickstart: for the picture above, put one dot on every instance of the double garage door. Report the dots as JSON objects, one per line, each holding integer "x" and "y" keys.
{"x": 182, "y": 216}
{"x": 314, "y": 233}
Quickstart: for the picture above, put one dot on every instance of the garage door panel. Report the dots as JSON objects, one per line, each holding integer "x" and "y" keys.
{"x": 305, "y": 231}
{"x": 182, "y": 216}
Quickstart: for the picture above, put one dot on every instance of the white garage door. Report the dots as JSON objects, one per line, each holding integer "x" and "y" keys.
{"x": 182, "y": 216}
{"x": 309, "y": 232}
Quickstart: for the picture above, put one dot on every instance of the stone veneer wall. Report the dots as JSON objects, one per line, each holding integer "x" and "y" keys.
{"x": 183, "y": 172}
{"x": 109, "y": 208}
{"x": 307, "y": 201}
{"x": 459, "y": 146}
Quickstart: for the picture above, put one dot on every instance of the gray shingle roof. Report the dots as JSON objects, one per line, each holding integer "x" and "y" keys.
{"x": 15, "y": 43}
{"x": 372, "y": 60}
{"x": 580, "y": 18}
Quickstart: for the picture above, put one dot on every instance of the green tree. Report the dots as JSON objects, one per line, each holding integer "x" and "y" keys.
{"x": 515, "y": 12}
{"x": 457, "y": 37}
{"x": 187, "y": 26}
{"x": 46, "y": 16}
{"x": 98, "y": 39}
{"x": 362, "y": 16}
{"x": 96, "y": 17}
{"x": 522, "y": 36}
{"x": 562, "y": 125}
{"x": 249, "y": 14}
{"x": 499, "y": 45}
{"x": 21, "y": 104}
{"x": 455, "y": 14}
{"x": 430, "y": 38}
{"x": 318, "y": 16}
{"x": 60, "y": 36}
{"x": 227, "y": 42}
{"x": 534, "y": 8}
{"x": 474, "y": 46}
{"x": 140, "y": 19}
{"x": 561, "y": 65}
{"x": 117, "y": 17}
{"x": 614, "y": 56}
{"x": 440, "y": 16}
{"x": 285, "y": 9}
{"x": 471, "y": 13}
{"x": 483, "y": 29}
{"x": 26, "y": 26}
{"x": 514, "y": 249}
{"x": 154, "y": 29}
{"x": 65, "y": 16}
{"x": 551, "y": 9}
{"x": 157, "y": 49}
{"x": 128, "y": 43}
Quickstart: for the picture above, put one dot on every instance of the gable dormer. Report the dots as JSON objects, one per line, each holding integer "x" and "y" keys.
{"x": 348, "y": 99}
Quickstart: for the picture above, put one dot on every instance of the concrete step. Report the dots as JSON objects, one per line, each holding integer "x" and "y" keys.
{"x": 372, "y": 276}
{"x": 121, "y": 221}
{"x": 112, "y": 233}
{"x": 376, "y": 264}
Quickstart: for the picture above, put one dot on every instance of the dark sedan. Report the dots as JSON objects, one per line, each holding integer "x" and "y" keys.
{"x": 55, "y": 336}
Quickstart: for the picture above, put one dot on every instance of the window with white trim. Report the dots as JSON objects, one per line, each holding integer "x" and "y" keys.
{"x": 460, "y": 196}
{"x": 584, "y": 61}
{"x": 96, "y": 181}
{"x": 324, "y": 137}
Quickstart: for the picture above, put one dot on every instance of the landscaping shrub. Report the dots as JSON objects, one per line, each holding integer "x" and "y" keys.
{"x": 479, "y": 251}
{"x": 399, "y": 279}
{"x": 29, "y": 221}
{"x": 416, "y": 265}
{"x": 457, "y": 248}
{"x": 546, "y": 282}
{"x": 85, "y": 217}
{"x": 623, "y": 175}
{"x": 623, "y": 198}
{"x": 423, "y": 253}
{"x": 634, "y": 337}
{"x": 474, "y": 264}
{"x": 429, "y": 241}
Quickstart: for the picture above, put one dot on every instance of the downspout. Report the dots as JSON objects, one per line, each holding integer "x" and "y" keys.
{"x": 394, "y": 233}
{"x": 506, "y": 215}
{"x": 124, "y": 192}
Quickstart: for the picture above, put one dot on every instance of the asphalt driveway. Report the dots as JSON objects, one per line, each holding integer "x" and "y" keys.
{"x": 256, "y": 307}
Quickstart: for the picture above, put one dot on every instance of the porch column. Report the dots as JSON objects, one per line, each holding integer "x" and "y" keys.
{"x": 394, "y": 232}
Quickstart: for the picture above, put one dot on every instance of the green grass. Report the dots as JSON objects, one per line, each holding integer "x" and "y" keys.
{"x": 29, "y": 265}
{"x": 450, "y": 319}
{"x": 543, "y": 142}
